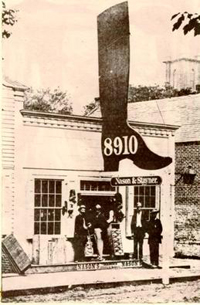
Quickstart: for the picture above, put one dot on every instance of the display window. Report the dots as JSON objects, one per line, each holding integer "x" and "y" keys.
{"x": 47, "y": 206}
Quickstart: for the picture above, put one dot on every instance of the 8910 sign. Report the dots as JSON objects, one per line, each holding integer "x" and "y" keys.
{"x": 120, "y": 146}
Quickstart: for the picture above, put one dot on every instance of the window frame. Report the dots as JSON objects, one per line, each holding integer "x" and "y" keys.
{"x": 45, "y": 208}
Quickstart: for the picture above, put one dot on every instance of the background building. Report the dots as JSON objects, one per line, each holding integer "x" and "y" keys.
{"x": 183, "y": 73}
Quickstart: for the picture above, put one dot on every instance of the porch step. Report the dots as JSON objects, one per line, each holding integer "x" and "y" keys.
{"x": 83, "y": 266}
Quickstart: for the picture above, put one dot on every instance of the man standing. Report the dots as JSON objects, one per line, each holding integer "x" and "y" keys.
{"x": 100, "y": 230}
{"x": 138, "y": 231}
{"x": 80, "y": 234}
{"x": 154, "y": 229}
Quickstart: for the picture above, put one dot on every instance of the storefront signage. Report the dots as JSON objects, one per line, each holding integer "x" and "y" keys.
{"x": 119, "y": 140}
{"x": 120, "y": 145}
{"x": 151, "y": 180}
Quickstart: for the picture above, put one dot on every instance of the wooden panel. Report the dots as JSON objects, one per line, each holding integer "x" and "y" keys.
{"x": 16, "y": 254}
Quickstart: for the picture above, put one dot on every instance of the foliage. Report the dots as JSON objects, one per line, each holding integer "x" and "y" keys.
{"x": 192, "y": 22}
{"x": 47, "y": 100}
{"x": 147, "y": 93}
{"x": 8, "y": 19}
{"x": 88, "y": 108}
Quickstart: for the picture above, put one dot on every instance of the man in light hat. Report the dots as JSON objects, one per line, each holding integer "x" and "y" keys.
{"x": 138, "y": 230}
{"x": 80, "y": 234}
{"x": 154, "y": 229}
{"x": 100, "y": 229}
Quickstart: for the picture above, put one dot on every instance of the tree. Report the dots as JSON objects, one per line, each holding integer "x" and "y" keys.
{"x": 145, "y": 93}
{"x": 8, "y": 19}
{"x": 192, "y": 22}
{"x": 47, "y": 100}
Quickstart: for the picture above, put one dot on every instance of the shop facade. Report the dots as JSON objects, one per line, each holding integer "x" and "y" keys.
{"x": 58, "y": 164}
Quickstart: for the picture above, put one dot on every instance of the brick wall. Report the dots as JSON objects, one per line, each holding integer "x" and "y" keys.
{"x": 187, "y": 201}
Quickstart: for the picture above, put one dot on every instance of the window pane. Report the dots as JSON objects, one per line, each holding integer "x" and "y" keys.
{"x": 51, "y": 215}
{"x": 36, "y": 228}
{"x": 37, "y": 215}
{"x": 37, "y": 200}
{"x": 43, "y": 215}
{"x": 44, "y": 200}
{"x": 141, "y": 190}
{"x": 50, "y": 228}
{"x": 58, "y": 200}
{"x": 136, "y": 190}
{"x": 136, "y": 199}
{"x": 57, "y": 228}
{"x": 51, "y": 200}
{"x": 58, "y": 187}
{"x": 57, "y": 214}
{"x": 37, "y": 186}
{"x": 51, "y": 186}
{"x": 141, "y": 199}
{"x": 43, "y": 228}
{"x": 147, "y": 191}
{"x": 45, "y": 186}
{"x": 152, "y": 202}
{"x": 153, "y": 190}
{"x": 147, "y": 202}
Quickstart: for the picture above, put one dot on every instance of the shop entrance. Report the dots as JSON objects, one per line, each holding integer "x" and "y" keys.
{"x": 106, "y": 203}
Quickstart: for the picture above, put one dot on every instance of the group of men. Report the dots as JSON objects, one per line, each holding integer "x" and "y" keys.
{"x": 139, "y": 226}
{"x": 95, "y": 224}
{"x": 98, "y": 225}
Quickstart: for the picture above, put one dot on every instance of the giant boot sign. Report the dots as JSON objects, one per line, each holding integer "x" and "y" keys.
{"x": 119, "y": 140}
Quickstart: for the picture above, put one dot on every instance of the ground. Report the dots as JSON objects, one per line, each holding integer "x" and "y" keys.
{"x": 150, "y": 293}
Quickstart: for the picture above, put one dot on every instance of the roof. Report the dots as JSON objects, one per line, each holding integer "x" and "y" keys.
{"x": 7, "y": 82}
{"x": 183, "y": 111}
{"x": 180, "y": 59}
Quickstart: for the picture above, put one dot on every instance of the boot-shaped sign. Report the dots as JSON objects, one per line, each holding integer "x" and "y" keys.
{"x": 119, "y": 140}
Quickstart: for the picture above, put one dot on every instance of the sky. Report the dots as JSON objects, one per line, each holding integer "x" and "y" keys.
{"x": 54, "y": 43}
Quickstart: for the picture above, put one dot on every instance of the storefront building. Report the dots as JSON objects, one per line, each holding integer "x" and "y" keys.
{"x": 50, "y": 159}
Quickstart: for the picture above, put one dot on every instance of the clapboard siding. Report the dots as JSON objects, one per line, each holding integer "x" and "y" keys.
{"x": 8, "y": 128}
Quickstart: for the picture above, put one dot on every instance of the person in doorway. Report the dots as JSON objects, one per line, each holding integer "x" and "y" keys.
{"x": 100, "y": 230}
{"x": 80, "y": 235}
{"x": 138, "y": 230}
{"x": 154, "y": 230}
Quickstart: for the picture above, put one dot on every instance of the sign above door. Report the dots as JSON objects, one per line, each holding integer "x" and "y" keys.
{"x": 140, "y": 180}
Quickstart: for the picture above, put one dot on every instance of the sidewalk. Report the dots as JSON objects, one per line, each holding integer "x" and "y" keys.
{"x": 13, "y": 284}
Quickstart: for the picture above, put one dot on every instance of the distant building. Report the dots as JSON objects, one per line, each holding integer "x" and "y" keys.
{"x": 183, "y": 73}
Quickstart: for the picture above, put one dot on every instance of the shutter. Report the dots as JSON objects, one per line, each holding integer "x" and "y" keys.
{"x": 29, "y": 203}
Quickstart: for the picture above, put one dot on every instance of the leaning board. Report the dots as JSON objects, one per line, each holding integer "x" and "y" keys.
{"x": 16, "y": 255}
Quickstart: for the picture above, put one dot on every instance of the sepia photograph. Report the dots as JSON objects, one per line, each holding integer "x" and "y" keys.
{"x": 100, "y": 149}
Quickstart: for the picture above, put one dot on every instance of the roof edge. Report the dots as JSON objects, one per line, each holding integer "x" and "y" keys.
{"x": 54, "y": 115}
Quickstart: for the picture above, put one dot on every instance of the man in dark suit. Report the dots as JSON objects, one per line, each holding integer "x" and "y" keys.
{"x": 138, "y": 231}
{"x": 154, "y": 228}
{"x": 80, "y": 234}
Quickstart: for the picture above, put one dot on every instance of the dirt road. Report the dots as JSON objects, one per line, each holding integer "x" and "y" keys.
{"x": 151, "y": 293}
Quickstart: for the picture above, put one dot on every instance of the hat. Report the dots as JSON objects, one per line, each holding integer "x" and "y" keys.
{"x": 81, "y": 207}
{"x": 154, "y": 211}
{"x": 139, "y": 204}
{"x": 98, "y": 206}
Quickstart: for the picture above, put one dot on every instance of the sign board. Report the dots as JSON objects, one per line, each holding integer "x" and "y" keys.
{"x": 16, "y": 255}
{"x": 119, "y": 140}
{"x": 141, "y": 180}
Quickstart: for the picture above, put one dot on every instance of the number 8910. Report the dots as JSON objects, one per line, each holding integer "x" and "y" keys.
{"x": 120, "y": 146}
